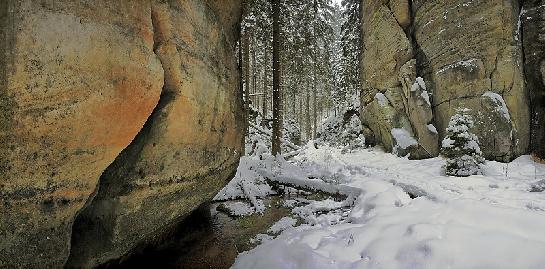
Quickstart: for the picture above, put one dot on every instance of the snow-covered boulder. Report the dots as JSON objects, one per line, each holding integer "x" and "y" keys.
{"x": 419, "y": 111}
{"x": 344, "y": 130}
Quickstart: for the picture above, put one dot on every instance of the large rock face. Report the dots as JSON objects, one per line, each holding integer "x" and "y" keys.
{"x": 393, "y": 100}
{"x": 185, "y": 152}
{"x": 472, "y": 53}
{"x": 144, "y": 90}
{"x": 533, "y": 31}
{"x": 73, "y": 95}
{"x": 469, "y": 55}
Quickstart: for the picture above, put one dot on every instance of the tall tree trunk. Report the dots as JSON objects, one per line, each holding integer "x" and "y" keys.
{"x": 241, "y": 81}
{"x": 315, "y": 67}
{"x": 301, "y": 127}
{"x": 294, "y": 104}
{"x": 246, "y": 55}
{"x": 254, "y": 73}
{"x": 277, "y": 95}
{"x": 265, "y": 79}
{"x": 314, "y": 109}
{"x": 307, "y": 114}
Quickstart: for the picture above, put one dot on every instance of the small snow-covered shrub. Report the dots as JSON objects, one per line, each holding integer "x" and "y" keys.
{"x": 291, "y": 131}
{"x": 351, "y": 136}
{"x": 258, "y": 138}
{"x": 344, "y": 130}
{"x": 329, "y": 131}
{"x": 461, "y": 147}
{"x": 256, "y": 144}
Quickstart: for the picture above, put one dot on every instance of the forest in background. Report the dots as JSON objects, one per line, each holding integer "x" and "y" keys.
{"x": 319, "y": 43}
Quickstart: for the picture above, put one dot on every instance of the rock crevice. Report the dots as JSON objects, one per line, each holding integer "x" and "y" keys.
{"x": 389, "y": 66}
{"x": 532, "y": 31}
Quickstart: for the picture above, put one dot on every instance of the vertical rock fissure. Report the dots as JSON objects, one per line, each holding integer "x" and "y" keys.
{"x": 492, "y": 72}
{"x": 532, "y": 22}
{"x": 390, "y": 68}
{"x": 421, "y": 61}
{"x": 417, "y": 56}
{"x": 410, "y": 33}
{"x": 518, "y": 38}
{"x": 5, "y": 106}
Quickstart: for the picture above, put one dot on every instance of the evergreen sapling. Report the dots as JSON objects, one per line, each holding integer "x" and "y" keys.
{"x": 461, "y": 147}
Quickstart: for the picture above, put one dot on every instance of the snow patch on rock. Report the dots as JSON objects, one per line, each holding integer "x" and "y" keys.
{"x": 426, "y": 97}
{"x": 419, "y": 83}
{"x": 432, "y": 128}
{"x": 468, "y": 64}
{"x": 381, "y": 99}
{"x": 403, "y": 138}
{"x": 501, "y": 106}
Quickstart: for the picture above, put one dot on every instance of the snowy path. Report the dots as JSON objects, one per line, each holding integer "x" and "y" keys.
{"x": 406, "y": 215}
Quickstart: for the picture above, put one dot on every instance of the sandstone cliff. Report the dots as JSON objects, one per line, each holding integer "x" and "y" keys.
{"x": 141, "y": 94}
{"x": 468, "y": 54}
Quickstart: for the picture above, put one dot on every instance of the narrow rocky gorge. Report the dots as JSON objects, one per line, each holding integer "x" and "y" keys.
{"x": 123, "y": 115}
{"x": 118, "y": 119}
{"x": 472, "y": 54}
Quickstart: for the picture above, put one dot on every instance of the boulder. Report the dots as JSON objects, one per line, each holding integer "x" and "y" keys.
{"x": 188, "y": 149}
{"x": 381, "y": 117}
{"x": 469, "y": 48}
{"x": 144, "y": 102}
{"x": 78, "y": 81}
{"x": 388, "y": 73}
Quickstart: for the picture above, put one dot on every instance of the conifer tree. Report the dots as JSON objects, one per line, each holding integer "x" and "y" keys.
{"x": 277, "y": 97}
{"x": 308, "y": 71}
{"x": 461, "y": 147}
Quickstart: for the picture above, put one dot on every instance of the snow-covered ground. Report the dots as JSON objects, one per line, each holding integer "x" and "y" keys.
{"x": 399, "y": 213}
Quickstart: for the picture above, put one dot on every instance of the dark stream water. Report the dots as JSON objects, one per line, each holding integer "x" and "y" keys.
{"x": 205, "y": 239}
{"x": 211, "y": 239}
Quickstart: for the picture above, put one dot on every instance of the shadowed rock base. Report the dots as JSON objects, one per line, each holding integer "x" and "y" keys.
{"x": 533, "y": 33}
